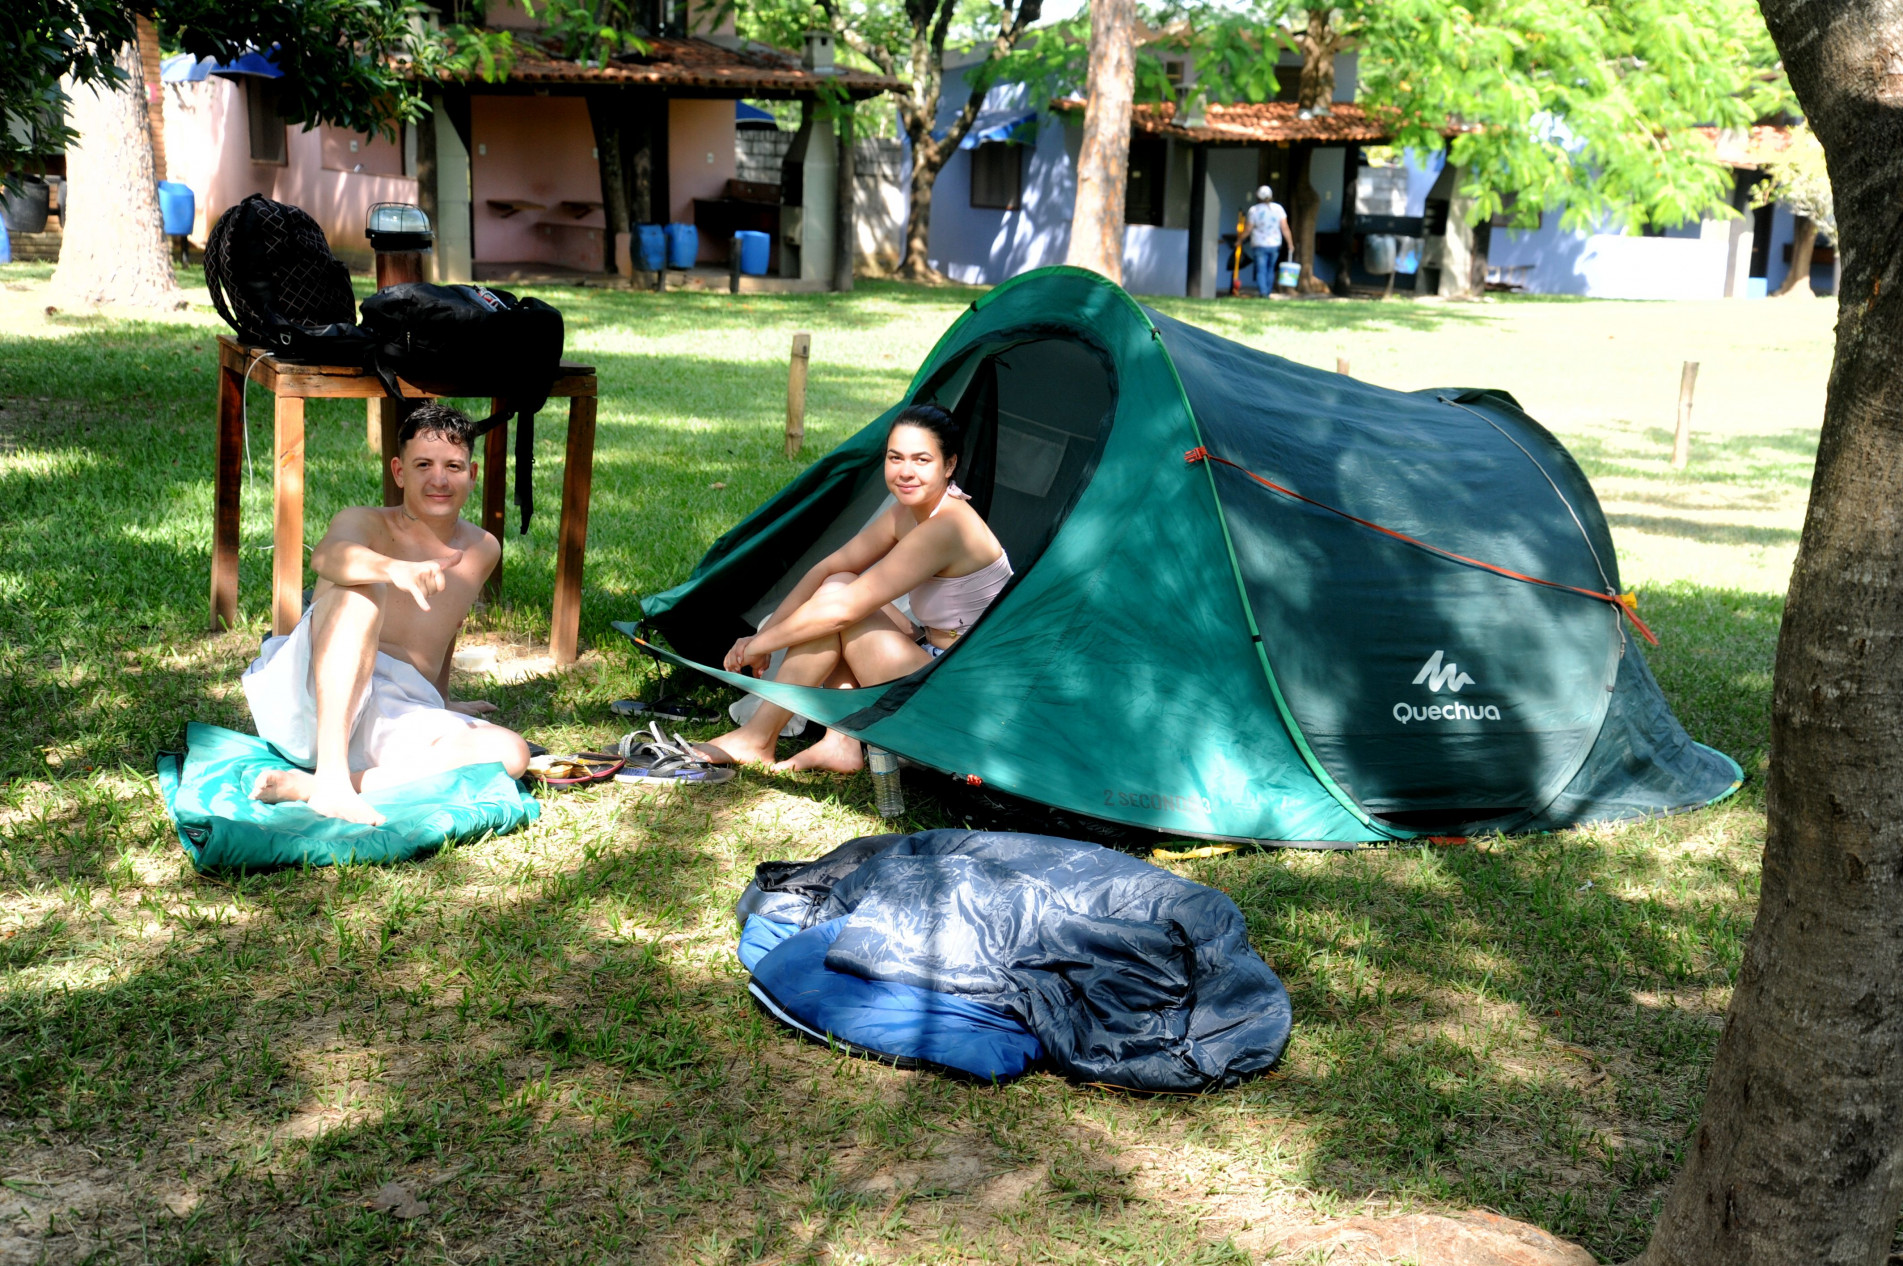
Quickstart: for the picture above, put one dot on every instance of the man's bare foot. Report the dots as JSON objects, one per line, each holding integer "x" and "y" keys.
{"x": 745, "y": 747}
{"x": 344, "y": 804}
{"x": 839, "y": 752}
{"x": 278, "y": 786}
{"x": 281, "y": 786}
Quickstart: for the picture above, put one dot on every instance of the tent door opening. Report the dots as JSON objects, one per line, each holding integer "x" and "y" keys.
{"x": 1035, "y": 411}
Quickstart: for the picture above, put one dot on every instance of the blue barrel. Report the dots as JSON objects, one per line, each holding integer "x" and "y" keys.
{"x": 652, "y": 254}
{"x": 683, "y": 244}
{"x": 176, "y": 208}
{"x": 753, "y": 248}
{"x": 6, "y": 244}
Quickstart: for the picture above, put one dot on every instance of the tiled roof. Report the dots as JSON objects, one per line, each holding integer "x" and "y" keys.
{"x": 1747, "y": 148}
{"x": 698, "y": 63}
{"x": 1266, "y": 122}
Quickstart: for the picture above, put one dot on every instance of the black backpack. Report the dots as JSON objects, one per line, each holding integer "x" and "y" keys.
{"x": 470, "y": 341}
{"x": 273, "y": 279}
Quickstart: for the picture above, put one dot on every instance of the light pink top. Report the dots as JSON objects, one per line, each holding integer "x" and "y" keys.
{"x": 954, "y": 603}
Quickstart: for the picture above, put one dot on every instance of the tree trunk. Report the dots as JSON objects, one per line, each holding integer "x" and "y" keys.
{"x": 606, "y": 112}
{"x": 113, "y": 249}
{"x": 1319, "y": 44}
{"x": 1803, "y": 242}
{"x": 1103, "y": 163}
{"x": 1799, "y": 1142}
{"x": 917, "y": 264}
{"x": 1305, "y": 208}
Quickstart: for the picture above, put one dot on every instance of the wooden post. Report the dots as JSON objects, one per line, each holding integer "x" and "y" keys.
{"x": 733, "y": 271}
{"x": 1341, "y": 365}
{"x": 1682, "y": 438}
{"x": 287, "y": 557}
{"x": 495, "y": 469}
{"x": 796, "y": 393}
{"x": 572, "y": 536}
{"x": 225, "y": 506}
{"x": 389, "y": 420}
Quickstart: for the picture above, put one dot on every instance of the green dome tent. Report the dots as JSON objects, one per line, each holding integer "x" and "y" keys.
{"x": 1253, "y": 601}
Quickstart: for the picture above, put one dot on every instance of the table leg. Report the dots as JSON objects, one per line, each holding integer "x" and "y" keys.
{"x": 495, "y": 471}
{"x": 578, "y": 474}
{"x": 287, "y": 538}
{"x": 373, "y": 426}
{"x": 389, "y": 418}
{"x": 225, "y": 501}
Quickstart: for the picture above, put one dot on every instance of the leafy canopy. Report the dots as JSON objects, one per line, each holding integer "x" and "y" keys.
{"x": 1581, "y": 106}
{"x": 354, "y": 63}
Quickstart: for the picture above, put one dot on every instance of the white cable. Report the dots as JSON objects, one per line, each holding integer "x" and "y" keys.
{"x": 244, "y": 415}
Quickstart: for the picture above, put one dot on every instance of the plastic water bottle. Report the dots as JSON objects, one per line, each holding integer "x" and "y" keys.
{"x": 885, "y": 781}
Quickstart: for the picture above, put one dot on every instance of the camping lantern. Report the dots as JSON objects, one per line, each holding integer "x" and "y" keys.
{"x": 400, "y": 235}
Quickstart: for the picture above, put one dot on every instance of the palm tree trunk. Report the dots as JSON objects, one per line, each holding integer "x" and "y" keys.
{"x": 112, "y": 249}
{"x": 1103, "y": 162}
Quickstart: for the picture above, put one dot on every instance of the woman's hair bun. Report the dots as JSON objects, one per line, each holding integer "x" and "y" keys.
{"x": 932, "y": 418}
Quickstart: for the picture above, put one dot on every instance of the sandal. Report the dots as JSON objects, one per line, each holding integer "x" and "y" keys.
{"x": 576, "y": 770}
{"x": 651, "y": 756}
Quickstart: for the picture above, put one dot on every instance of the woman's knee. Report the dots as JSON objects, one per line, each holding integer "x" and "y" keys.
{"x": 839, "y": 579}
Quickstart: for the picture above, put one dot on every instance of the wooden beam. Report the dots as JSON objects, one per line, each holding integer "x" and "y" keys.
{"x": 225, "y": 498}
{"x": 572, "y": 537}
{"x": 287, "y": 557}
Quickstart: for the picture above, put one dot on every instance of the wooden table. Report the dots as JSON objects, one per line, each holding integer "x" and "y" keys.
{"x": 290, "y": 386}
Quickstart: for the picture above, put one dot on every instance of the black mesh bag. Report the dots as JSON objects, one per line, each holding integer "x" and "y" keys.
{"x": 273, "y": 279}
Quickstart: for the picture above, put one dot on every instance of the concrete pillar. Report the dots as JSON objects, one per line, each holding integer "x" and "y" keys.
{"x": 1205, "y": 228}
{"x": 455, "y": 231}
{"x": 820, "y": 200}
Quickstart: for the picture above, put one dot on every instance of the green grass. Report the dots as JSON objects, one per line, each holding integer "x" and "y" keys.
{"x": 547, "y": 1037}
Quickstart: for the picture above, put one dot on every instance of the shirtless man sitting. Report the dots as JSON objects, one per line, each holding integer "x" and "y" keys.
{"x": 360, "y": 689}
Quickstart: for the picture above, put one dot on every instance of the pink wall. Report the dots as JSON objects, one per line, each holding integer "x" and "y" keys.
{"x": 700, "y": 160}
{"x": 208, "y": 147}
{"x": 534, "y": 149}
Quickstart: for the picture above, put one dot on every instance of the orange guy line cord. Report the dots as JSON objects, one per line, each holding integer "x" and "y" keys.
{"x": 1624, "y": 602}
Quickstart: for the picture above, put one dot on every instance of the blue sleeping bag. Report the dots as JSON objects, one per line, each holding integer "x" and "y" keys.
{"x": 207, "y": 791}
{"x": 990, "y": 952}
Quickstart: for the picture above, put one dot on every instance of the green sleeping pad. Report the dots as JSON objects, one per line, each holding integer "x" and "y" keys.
{"x": 207, "y": 790}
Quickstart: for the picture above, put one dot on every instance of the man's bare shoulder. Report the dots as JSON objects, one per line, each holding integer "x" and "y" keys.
{"x": 363, "y": 524}
{"x": 472, "y": 539}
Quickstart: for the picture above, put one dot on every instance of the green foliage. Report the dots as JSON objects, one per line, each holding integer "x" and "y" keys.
{"x": 1585, "y": 108}
{"x": 588, "y": 30}
{"x": 354, "y": 63}
{"x": 46, "y": 39}
{"x": 1798, "y": 177}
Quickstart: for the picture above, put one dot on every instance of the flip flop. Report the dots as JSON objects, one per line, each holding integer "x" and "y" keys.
{"x": 653, "y": 757}
{"x": 576, "y": 770}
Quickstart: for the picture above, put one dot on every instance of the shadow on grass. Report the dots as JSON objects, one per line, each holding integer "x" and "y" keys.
{"x": 547, "y": 1035}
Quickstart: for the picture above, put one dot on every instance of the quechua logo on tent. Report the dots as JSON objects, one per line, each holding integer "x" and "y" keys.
{"x": 1440, "y": 672}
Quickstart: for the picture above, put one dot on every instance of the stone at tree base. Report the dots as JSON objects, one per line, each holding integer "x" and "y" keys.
{"x": 1474, "y": 1238}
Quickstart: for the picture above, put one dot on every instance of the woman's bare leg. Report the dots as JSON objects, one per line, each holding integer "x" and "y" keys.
{"x": 808, "y": 664}
{"x": 874, "y": 650}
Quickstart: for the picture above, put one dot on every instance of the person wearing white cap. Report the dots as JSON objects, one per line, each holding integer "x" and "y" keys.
{"x": 1268, "y": 225}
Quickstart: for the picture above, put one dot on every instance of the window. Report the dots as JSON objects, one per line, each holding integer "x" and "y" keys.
{"x": 267, "y": 125}
{"x": 1148, "y": 173}
{"x": 997, "y": 176}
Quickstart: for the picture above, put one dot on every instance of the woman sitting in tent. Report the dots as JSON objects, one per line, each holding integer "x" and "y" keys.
{"x": 838, "y": 626}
